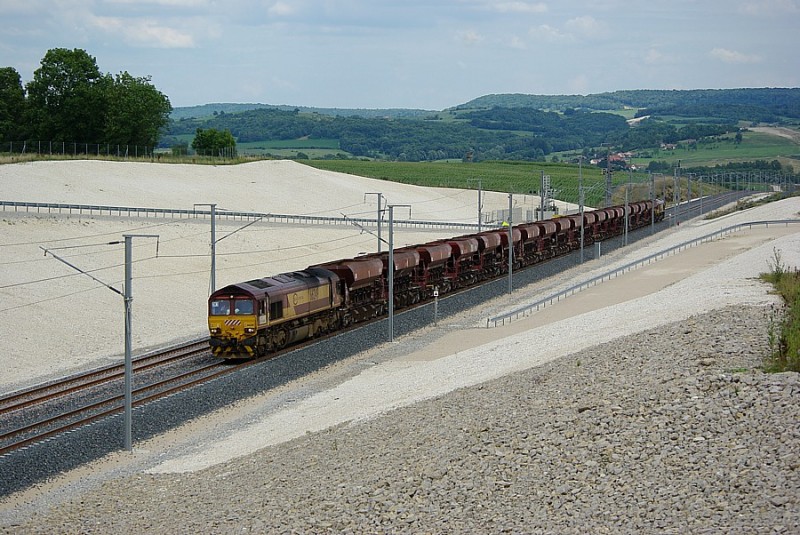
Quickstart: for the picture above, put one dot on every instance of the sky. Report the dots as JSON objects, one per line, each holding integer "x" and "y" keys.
{"x": 426, "y": 54}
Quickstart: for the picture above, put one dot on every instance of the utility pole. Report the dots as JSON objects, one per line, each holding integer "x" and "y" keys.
{"x": 380, "y": 215}
{"x": 510, "y": 241}
{"x": 542, "y": 194}
{"x": 480, "y": 201}
{"x": 627, "y": 209}
{"x": 581, "y": 200}
{"x": 652, "y": 203}
{"x": 609, "y": 175}
{"x": 213, "y": 245}
{"x": 127, "y": 295}
{"x": 128, "y": 335}
{"x": 676, "y": 193}
{"x": 391, "y": 265}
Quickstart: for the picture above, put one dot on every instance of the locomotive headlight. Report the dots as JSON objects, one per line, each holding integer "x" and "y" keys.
{"x": 216, "y": 330}
{"x": 249, "y": 330}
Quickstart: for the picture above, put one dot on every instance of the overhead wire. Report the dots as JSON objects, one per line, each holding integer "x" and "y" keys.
{"x": 144, "y": 227}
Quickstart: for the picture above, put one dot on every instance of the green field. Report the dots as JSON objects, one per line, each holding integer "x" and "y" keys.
{"x": 505, "y": 177}
{"x": 754, "y": 146}
{"x": 289, "y": 148}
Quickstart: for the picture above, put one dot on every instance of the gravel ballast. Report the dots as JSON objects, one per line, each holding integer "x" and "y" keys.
{"x": 670, "y": 431}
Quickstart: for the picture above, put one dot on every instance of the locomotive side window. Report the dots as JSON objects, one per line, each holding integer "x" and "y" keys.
{"x": 220, "y": 307}
{"x": 243, "y": 307}
{"x": 276, "y": 310}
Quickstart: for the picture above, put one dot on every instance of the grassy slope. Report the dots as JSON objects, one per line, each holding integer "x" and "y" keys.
{"x": 513, "y": 177}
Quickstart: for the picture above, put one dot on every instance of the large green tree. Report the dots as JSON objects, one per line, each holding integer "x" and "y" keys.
{"x": 67, "y": 97}
{"x": 70, "y": 100}
{"x": 12, "y": 104}
{"x": 212, "y": 142}
{"x": 137, "y": 111}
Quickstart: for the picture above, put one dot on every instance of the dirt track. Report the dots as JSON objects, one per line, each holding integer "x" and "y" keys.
{"x": 781, "y": 131}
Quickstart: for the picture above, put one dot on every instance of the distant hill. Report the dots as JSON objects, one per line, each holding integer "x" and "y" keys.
{"x": 751, "y": 104}
{"x": 206, "y": 111}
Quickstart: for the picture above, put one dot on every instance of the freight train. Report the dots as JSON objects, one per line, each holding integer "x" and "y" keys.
{"x": 254, "y": 318}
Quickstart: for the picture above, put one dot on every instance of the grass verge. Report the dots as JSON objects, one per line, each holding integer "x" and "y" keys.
{"x": 784, "y": 334}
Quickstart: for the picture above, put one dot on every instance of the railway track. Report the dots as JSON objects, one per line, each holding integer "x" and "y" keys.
{"x": 41, "y": 412}
{"x": 32, "y": 415}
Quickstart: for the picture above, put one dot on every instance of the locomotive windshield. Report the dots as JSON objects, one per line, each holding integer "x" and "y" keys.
{"x": 220, "y": 307}
{"x": 243, "y": 307}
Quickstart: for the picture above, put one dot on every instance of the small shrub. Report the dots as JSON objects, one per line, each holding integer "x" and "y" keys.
{"x": 784, "y": 329}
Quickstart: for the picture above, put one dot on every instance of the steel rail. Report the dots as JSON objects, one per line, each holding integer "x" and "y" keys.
{"x": 116, "y": 401}
{"x": 47, "y": 392}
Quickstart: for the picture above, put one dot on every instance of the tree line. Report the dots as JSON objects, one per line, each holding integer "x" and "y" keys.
{"x": 70, "y": 100}
{"x": 746, "y": 104}
{"x": 498, "y": 133}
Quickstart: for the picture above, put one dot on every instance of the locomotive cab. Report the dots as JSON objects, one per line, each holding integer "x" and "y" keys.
{"x": 233, "y": 322}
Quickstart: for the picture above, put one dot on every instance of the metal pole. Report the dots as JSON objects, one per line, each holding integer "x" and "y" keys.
{"x": 436, "y": 305}
{"x": 213, "y": 208}
{"x": 380, "y": 213}
{"x": 688, "y": 189}
{"x": 391, "y": 273}
{"x": 128, "y": 298}
{"x": 510, "y": 242}
{"x": 213, "y": 248}
{"x": 652, "y": 203}
{"x": 701, "y": 195}
{"x": 480, "y": 201}
{"x": 391, "y": 267}
{"x": 480, "y": 204}
{"x": 581, "y": 200}
{"x": 677, "y": 208}
{"x": 542, "y": 193}
{"x": 627, "y": 215}
{"x": 608, "y": 177}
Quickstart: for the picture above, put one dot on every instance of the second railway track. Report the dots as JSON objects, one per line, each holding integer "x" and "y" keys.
{"x": 37, "y": 413}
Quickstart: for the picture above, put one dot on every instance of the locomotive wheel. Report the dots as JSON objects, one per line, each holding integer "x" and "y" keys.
{"x": 280, "y": 339}
{"x": 318, "y": 328}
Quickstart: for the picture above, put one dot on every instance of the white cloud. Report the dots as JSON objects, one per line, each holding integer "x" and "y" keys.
{"x": 655, "y": 57}
{"x": 470, "y": 37}
{"x": 731, "y": 56}
{"x": 545, "y": 32}
{"x": 586, "y": 26}
{"x": 144, "y": 32}
{"x": 280, "y": 9}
